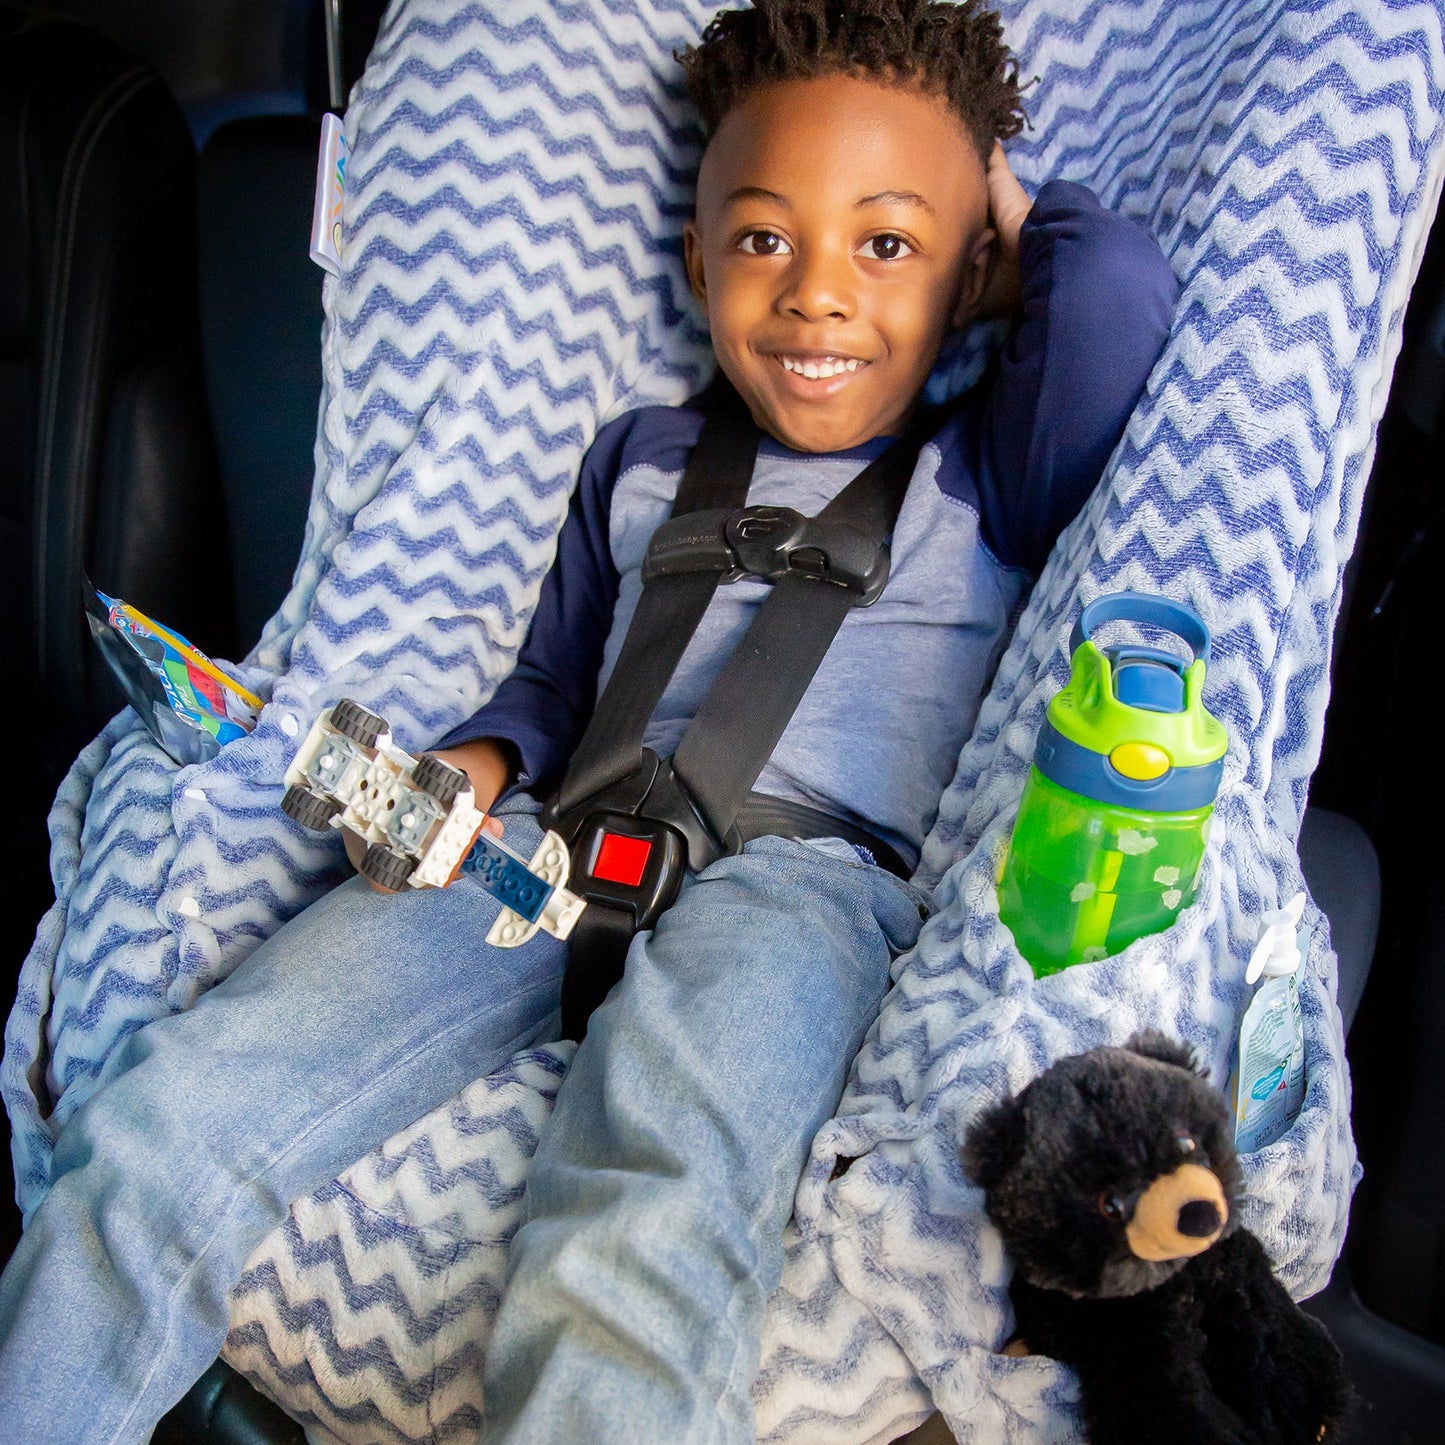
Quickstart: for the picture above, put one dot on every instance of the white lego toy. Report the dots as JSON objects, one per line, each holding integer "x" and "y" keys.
{"x": 421, "y": 823}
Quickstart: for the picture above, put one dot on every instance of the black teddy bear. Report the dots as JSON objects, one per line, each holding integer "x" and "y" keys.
{"x": 1113, "y": 1180}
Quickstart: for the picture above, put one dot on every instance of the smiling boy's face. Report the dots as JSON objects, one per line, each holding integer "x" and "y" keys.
{"x": 841, "y": 231}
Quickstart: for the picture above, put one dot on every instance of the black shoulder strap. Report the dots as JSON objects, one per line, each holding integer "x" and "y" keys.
{"x": 717, "y": 475}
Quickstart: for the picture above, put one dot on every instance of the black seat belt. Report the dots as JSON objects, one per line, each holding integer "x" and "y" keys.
{"x": 635, "y": 821}
{"x": 716, "y": 478}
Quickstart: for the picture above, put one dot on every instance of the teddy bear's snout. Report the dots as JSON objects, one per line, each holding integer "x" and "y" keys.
{"x": 1199, "y": 1219}
{"x": 1178, "y": 1215}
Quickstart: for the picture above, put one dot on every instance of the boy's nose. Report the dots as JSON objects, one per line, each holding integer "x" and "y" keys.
{"x": 818, "y": 286}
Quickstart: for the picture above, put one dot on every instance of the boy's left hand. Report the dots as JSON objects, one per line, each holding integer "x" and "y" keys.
{"x": 1008, "y": 205}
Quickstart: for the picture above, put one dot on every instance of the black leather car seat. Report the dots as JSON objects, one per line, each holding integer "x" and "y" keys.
{"x": 106, "y": 465}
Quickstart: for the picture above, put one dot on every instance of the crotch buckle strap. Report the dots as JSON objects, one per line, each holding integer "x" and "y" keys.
{"x": 768, "y": 543}
{"x": 624, "y": 861}
{"x": 653, "y": 795}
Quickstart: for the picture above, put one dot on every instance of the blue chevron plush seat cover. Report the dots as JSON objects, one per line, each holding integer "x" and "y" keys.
{"x": 519, "y": 177}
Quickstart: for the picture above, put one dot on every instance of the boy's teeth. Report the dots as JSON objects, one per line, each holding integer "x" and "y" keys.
{"x": 814, "y": 370}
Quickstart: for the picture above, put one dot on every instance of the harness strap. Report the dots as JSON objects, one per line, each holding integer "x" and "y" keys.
{"x": 753, "y": 698}
{"x": 619, "y": 800}
{"x": 717, "y": 475}
{"x": 596, "y": 953}
{"x": 763, "y": 816}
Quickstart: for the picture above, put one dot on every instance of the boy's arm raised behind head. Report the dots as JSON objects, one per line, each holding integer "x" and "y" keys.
{"x": 1097, "y": 305}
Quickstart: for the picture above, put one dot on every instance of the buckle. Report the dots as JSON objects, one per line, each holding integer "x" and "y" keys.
{"x": 768, "y": 543}
{"x": 651, "y": 794}
{"x": 628, "y": 862}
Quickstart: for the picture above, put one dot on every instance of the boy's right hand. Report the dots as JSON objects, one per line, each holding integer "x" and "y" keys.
{"x": 1008, "y": 206}
{"x": 489, "y": 767}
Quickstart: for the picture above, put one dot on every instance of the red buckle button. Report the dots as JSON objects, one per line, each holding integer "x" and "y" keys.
{"x": 621, "y": 859}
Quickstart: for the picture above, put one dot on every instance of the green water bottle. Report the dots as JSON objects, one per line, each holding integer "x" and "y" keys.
{"x": 1112, "y": 824}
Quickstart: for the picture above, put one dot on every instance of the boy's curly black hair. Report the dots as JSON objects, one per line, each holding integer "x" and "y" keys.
{"x": 955, "y": 51}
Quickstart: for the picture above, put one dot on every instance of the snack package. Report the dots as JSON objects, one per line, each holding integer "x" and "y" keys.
{"x": 191, "y": 707}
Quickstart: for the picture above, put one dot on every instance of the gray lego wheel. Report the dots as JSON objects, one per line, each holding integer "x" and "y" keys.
{"x": 385, "y": 868}
{"x": 309, "y": 809}
{"x": 439, "y": 780}
{"x": 353, "y": 721}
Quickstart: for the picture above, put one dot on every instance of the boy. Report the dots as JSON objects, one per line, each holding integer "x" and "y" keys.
{"x": 852, "y": 209}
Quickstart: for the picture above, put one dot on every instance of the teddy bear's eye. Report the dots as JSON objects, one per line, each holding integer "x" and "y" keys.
{"x": 1186, "y": 1144}
{"x": 1112, "y": 1207}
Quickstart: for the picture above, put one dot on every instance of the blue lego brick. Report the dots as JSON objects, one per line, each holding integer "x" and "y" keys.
{"x": 507, "y": 878}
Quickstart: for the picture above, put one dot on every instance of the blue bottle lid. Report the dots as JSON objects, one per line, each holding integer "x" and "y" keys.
{"x": 1130, "y": 727}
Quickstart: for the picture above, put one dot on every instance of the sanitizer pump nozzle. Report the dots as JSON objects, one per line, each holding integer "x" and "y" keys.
{"x": 1277, "y": 952}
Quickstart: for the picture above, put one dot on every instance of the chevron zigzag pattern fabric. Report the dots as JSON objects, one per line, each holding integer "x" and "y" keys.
{"x": 517, "y": 189}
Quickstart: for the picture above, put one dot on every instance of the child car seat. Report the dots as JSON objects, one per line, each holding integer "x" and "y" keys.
{"x": 509, "y": 282}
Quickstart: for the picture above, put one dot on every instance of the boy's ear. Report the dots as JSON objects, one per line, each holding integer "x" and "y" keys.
{"x": 978, "y": 269}
{"x": 692, "y": 259}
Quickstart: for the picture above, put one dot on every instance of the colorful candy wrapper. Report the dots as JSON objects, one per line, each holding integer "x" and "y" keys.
{"x": 191, "y": 707}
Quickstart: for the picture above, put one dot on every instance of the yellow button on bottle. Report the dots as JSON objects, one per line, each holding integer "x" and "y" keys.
{"x": 1140, "y": 761}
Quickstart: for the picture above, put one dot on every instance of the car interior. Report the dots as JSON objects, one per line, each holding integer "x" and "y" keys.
{"x": 159, "y": 377}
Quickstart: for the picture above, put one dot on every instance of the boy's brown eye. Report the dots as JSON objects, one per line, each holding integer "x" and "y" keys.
{"x": 888, "y": 248}
{"x": 763, "y": 243}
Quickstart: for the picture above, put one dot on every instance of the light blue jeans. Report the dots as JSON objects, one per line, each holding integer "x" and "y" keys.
{"x": 655, "y": 1205}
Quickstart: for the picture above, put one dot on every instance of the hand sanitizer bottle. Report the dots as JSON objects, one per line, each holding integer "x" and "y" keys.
{"x": 1269, "y": 1078}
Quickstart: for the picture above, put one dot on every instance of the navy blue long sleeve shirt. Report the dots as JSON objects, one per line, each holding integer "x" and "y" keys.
{"x": 1006, "y": 473}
